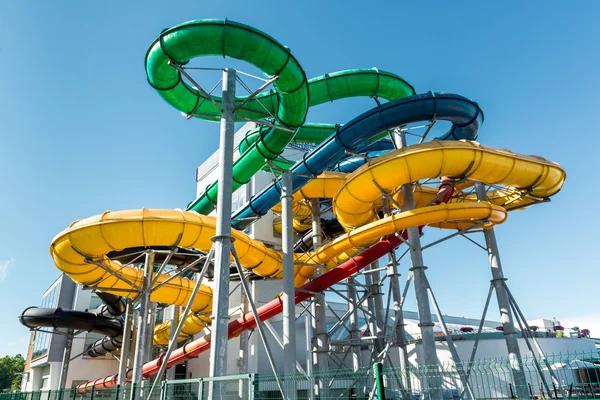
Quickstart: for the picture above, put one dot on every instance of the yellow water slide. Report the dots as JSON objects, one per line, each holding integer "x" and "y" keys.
{"x": 81, "y": 250}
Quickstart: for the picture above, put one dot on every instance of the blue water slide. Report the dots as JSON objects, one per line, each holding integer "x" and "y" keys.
{"x": 464, "y": 114}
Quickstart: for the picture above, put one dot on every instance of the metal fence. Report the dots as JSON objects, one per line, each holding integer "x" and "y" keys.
{"x": 575, "y": 376}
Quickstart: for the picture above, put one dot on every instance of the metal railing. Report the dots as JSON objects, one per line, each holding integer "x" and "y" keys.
{"x": 565, "y": 376}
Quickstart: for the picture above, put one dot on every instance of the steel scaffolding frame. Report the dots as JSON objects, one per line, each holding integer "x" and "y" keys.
{"x": 364, "y": 292}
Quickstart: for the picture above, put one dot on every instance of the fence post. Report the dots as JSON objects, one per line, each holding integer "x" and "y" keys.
{"x": 163, "y": 390}
{"x": 377, "y": 371}
{"x": 201, "y": 389}
{"x": 74, "y": 396}
{"x": 253, "y": 387}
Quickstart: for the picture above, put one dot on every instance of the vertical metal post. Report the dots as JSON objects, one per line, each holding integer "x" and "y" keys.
{"x": 174, "y": 322}
{"x": 150, "y": 323}
{"x": 455, "y": 357}
{"x": 259, "y": 326}
{"x": 243, "y": 359}
{"x": 510, "y": 334}
{"x": 186, "y": 311}
{"x": 320, "y": 346}
{"x": 418, "y": 269}
{"x": 374, "y": 327}
{"x": 519, "y": 313}
{"x": 289, "y": 305}
{"x": 126, "y": 341}
{"x": 140, "y": 344}
{"x": 354, "y": 328}
{"x": 378, "y": 301}
{"x": 220, "y": 306}
{"x": 378, "y": 375}
{"x": 64, "y": 371}
{"x": 309, "y": 365}
{"x": 398, "y": 309}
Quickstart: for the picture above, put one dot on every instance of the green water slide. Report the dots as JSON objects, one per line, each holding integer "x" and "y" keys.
{"x": 287, "y": 103}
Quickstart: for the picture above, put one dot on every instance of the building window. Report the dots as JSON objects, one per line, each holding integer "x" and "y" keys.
{"x": 95, "y": 302}
{"x": 42, "y": 339}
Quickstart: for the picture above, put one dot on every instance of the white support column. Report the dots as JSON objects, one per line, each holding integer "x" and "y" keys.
{"x": 320, "y": 346}
{"x": 244, "y": 348}
{"x": 289, "y": 305}
{"x": 218, "y": 350}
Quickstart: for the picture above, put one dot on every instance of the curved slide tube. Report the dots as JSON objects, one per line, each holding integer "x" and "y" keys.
{"x": 289, "y": 103}
{"x": 353, "y": 203}
{"x": 82, "y": 250}
{"x": 97, "y": 236}
{"x": 34, "y": 317}
{"x": 103, "y": 322}
{"x": 465, "y": 115}
{"x": 471, "y": 213}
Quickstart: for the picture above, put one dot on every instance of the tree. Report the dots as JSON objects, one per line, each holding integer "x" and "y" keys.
{"x": 9, "y": 368}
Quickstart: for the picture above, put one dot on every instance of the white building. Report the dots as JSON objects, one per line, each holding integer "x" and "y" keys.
{"x": 45, "y": 356}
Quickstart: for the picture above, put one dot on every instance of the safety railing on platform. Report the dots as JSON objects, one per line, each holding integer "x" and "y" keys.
{"x": 563, "y": 376}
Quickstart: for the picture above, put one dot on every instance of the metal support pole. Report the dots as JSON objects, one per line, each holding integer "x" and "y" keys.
{"x": 243, "y": 358}
{"x": 64, "y": 371}
{"x": 418, "y": 269}
{"x": 378, "y": 375}
{"x": 126, "y": 342}
{"x": 354, "y": 331}
{"x": 181, "y": 322}
{"x": 174, "y": 322}
{"x": 354, "y": 328}
{"x": 309, "y": 365}
{"x": 378, "y": 301}
{"x": 457, "y": 361}
{"x": 289, "y": 305}
{"x": 150, "y": 323}
{"x": 510, "y": 334}
{"x": 479, "y": 330}
{"x": 220, "y": 306}
{"x": 320, "y": 345}
{"x": 140, "y": 343}
{"x": 398, "y": 309}
{"x": 279, "y": 341}
{"x": 259, "y": 326}
{"x": 519, "y": 313}
{"x": 538, "y": 367}
{"x": 374, "y": 327}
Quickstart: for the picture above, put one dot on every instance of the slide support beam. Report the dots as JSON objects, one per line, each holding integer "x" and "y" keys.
{"x": 140, "y": 343}
{"x": 418, "y": 268}
{"x": 508, "y": 325}
{"x": 289, "y": 305}
{"x": 222, "y": 240}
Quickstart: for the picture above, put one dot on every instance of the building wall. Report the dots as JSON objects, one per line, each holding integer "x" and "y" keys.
{"x": 44, "y": 372}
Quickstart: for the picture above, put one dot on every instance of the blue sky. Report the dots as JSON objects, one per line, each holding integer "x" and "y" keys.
{"x": 82, "y": 131}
